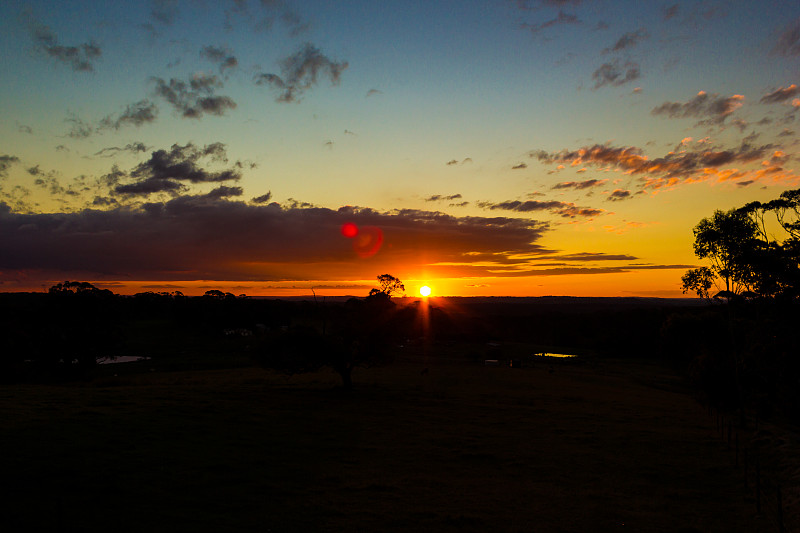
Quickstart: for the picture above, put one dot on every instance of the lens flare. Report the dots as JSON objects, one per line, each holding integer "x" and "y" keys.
{"x": 425, "y": 291}
{"x": 349, "y": 230}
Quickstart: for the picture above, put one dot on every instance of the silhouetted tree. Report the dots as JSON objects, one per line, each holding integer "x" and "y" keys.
{"x": 388, "y": 286}
{"x": 727, "y": 239}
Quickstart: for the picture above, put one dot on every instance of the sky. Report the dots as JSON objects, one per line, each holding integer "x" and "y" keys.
{"x": 482, "y": 148}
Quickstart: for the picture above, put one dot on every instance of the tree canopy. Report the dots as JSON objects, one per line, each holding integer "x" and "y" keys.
{"x": 747, "y": 258}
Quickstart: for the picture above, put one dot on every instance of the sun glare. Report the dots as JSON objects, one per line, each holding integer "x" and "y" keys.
{"x": 425, "y": 290}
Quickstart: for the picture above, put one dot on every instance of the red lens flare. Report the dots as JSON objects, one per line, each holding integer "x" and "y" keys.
{"x": 349, "y": 230}
{"x": 366, "y": 240}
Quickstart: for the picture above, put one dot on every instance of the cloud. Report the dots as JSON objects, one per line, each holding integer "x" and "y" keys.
{"x": 166, "y": 171}
{"x": 5, "y": 163}
{"x": 781, "y": 94}
{"x": 195, "y": 237}
{"x": 628, "y": 40}
{"x": 264, "y": 198}
{"x": 111, "y": 151}
{"x": 301, "y": 71}
{"x": 373, "y": 92}
{"x": 222, "y": 57}
{"x": 136, "y": 114}
{"x": 561, "y": 19}
{"x": 619, "y": 194}
{"x": 80, "y": 58}
{"x": 164, "y": 11}
{"x": 22, "y": 128}
{"x": 439, "y": 198}
{"x": 519, "y": 166}
{"x": 670, "y": 12}
{"x": 789, "y": 40}
{"x": 702, "y": 163}
{"x": 195, "y": 98}
{"x": 223, "y": 191}
{"x": 615, "y": 74}
{"x": 579, "y": 185}
{"x": 564, "y": 209}
{"x": 79, "y": 129}
{"x": 714, "y": 107}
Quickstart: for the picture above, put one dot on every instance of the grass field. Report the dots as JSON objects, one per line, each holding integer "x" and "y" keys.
{"x": 599, "y": 446}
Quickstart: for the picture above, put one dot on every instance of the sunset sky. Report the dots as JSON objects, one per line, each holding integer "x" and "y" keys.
{"x": 522, "y": 148}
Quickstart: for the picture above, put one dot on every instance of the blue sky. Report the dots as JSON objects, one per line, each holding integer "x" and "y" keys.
{"x": 431, "y": 121}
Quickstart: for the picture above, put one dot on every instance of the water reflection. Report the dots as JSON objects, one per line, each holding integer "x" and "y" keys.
{"x": 121, "y": 359}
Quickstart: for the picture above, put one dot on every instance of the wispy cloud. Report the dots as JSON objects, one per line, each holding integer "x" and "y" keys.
{"x": 702, "y": 163}
{"x": 440, "y": 197}
{"x": 781, "y": 94}
{"x": 713, "y": 107}
{"x": 136, "y": 114}
{"x": 788, "y": 43}
{"x": 564, "y": 209}
{"x": 111, "y": 151}
{"x": 195, "y": 98}
{"x": 222, "y": 57}
{"x": 5, "y": 163}
{"x": 301, "y": 71}
{"x": 80, "y": 58}
{"x": 561, "y": 19}
{"x": 579, "y": 185}
{"x": 615, "y": 74}
{"x": 628, "y": 40}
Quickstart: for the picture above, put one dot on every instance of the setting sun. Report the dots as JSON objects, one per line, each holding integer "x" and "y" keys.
{"x": 425, "y": 290}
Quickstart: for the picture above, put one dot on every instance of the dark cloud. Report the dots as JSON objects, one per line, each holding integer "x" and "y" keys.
{"x": 789, "y": 40}
{"x": 78, "y": 128}
{"x": 452, "y": 162}
{"x": 22, "y": 128}
{"x": 136, "y": 114}
{"x": 628, "y": 40}
{"x": 714, "y": 107}
{"x": 195, "y": 98}
{"x": 619, "y": 194}
{"x": 373, "y": 92}
{"x": 62, "y": 148}
{"x": 300, "y": 72}
{"x": 579, "y": 185}
{"x": 5, "y": 163}
{"x": 615, "y": 74}
{"x": 222, "y": 57}
{"x": 80, "y": 58}
{"x": 564, "y": 209}
{"x": 193, "y": 238}
{"x": 439, "y": 197}
{"x": 671, "y": 12}
{"x": 264, "y": 198}
{"x": 223, "y": 191}
{"x": 166, "y": 170}
{"x": 781, "y": 94}
{"x": 111, "y": 151}
{"x": 519, "y": 166}
{"x": 164, "y": 11}
{"x": 786, "y": 133}
{"x": 561, "y": 19}
{"x": 268, "y": 13}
